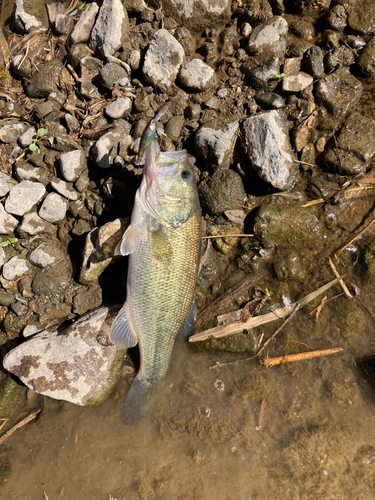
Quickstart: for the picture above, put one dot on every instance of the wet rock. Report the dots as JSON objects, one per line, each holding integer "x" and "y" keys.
{"x": 221, "y": 191}
{"x": 64, "y": 24}
{"x": 269, "y": 100}
{"x": 75, "y": 365}
{"x": 313, "y": 62}
{"x": 260, "y": 77}
{"x": 51, "y": 282}
{"x": 72, "y": 164}
{"x": 82, "y": 30}
{"x": 27, "y": 137}
{"x": 32, "y": 225}
{"x": 292, "y": 65}
{"x": 361, "y": 16}
{"x": 198, "y": 14}
{"x": 338, "y": 92}
{"x": 119, "y": 108}
{"x": 336, "y": 18}
{"x": 269, "y": 36}
{"x": 64, "y": 189}
{"x": 296, "y": 83}
{"x": 105, "y": 149}
{"x": 7, "y": 223}
{"x": 342, "y": 56}
{"x": 11, "y": 132}
{"x": 163, "y": 60}
{"x": 24, "y": 197}
{"x": 366, "y": 60}
{"x": 46, "y": 80}
{"x": 6, "y": 184}
{"x": 196, "y": 76}
{"x": 354, "y": 147}
{"x": 29, "y": 16}
{"x": 53, "y": 208}
{"x": 16, "y": 266}
{"x": 111, "y": 74}
{"x": 106, "y": 41}
{"x": 46, "y": 254}
{"x": 216, "y": 146}
{"x": 266, "y": 139}
{"x": 99, "y": 249}
{"x": 87, "y": 298}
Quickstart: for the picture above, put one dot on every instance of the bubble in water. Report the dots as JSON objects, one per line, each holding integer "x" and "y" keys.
{"x": 204, "y": 411}
{"x": 219, "y": 385}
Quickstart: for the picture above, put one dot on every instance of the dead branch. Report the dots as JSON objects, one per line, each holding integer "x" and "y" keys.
{"x": 20, "y": 424}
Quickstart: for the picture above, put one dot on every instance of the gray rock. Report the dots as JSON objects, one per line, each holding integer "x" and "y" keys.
{"x": 27, "y": 137}
{"x": 23, "y": 197}
{"x": 6, "y": 184}
{"x": 313, "y": 62}
{"x": 119, "y": 108}
{"x": 163, "y": 60}
{"x": 266, "y": 140}
{"x": 82, "y": 30}
{"x": 269, "y": 36}
{"x": 111, "y": 74}
{"x": 196, "y": 76}
{"x": 32, "y": 224}
{"x": 11, "y": 132}
{"x": 90, "y": 67}
{"x": 174, "y": 126}
{"x": 104, "y": 150}
{"x": 100, "y": 248}
{"x": 135, "y": 59}
{"x": 261, "y": 77}
{"x": 27, "y": 172}
{"x": 72, "y": 164}
{"x": 296, "y": 83}
{"x": 64, "y": 24}
{"x": 14, "y": 267}
{"x": 30, "y": 330}
{"x": 366, "y": 60}
{"x": 53, "y": 208}
{"x": 269, "y": 100}
{"x": 46, "y": 80}
{"x": 87, "y": 298}
{"x": 110, "y": 28}
{"x": 64, "y": 189}
{"x": 76, "y": 365}
{"x": 46, "y": 254}
{"x": 198, "y": 14}
{"x": 2, "y": 257}
{"x": 7, "y": 223}
{"x": 25, "y": 19}
{"x": 342, "y": 56}
{"x": 221, "y": 191}
{"x": 72, "y": 123}
{"x": 216, "y": 146}
{"x": 82, "y": 182}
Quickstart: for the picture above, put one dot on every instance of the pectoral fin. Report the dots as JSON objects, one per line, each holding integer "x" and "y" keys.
{"x": 187, "y": 328}
{"x": 121, "y": 334}
{"x": 161, "y": 248}
{"x": 128, "y": 242}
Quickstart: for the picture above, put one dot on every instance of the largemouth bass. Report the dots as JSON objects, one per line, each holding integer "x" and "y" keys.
{"x": 163, "y": 244}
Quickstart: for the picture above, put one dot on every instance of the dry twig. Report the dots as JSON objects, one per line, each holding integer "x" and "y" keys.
{"x": 342, "y": 283}
{"x": 337, "y": 253}
{"x": 290, "y": 358}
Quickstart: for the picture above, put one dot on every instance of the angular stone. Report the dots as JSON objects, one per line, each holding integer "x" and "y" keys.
{"x": 269, "y": 36}
{"x": 27, "y": 137}
{"x": 6, "y": 184}
{"x": 15, "y": 266}
{"x": 265, "y": 137}
{"x": 71, "y": 364}
{"x": 313, "y": 62}
{"x": 53, "y": 208}
{"x": 196, "y": 76}
{"x": 26, "y": 172}
{"x": 63, "y": 24}
{"x": 7, "y": 223}
{"x": 23, "y": 197}
{"x": 119, "y": 108}
{"x": 104, "y": 150}
{"x": 29, "y": 17}
{"x": 46, "y": 254}
{"x": 110, "y": 28}
{"x": 72, "y": 164}
{"x": 64, "y": 189}
{"x": 361, "y": 16}
{"x": 82, "y": 30}
{"x": 366, "y": 60}
{"x": 296, "y": 83}
{"x": 163, "y": 60}
{"x": 32, "y": 224}
{"x": 198, "y": 14}
{"x": 11, "y": 132}
{"x": 216, "y": 146}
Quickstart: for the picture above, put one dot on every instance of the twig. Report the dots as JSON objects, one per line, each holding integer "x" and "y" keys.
{"x": 20, "y": 424}
{"x": 261, "y": 414}
{"x": 290, "y": 358}
{"x": 5, "y": 420}
{"x": 337, "y": 253}
{"x": 325, "y": 302}
{"x": 313, "y": 202}
{"x": 26, "y": 53}
{"x": 228, "y": 236}
{"x": 337, "y": 274}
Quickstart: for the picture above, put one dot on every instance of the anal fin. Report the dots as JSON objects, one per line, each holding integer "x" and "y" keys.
{"x": 121, "y": 334}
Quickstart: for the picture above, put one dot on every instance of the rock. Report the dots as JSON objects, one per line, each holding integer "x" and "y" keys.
{"x": 99, "y": 249}
{"x": 29, "y": 16}
{"x": 366, "y": 60}
{"x": 50, "y": 283}
{"x": 361, "y": 16}
{"x": 6, "y": 184}
{"x": 46, "y": 254}
{"x": 7, "y": 223}
{"x": 30, "y": 330}
{"x": 26, "y": 172}
{"x": 216, "y": 146}
{"x": 196, "y": 76}
{"x": 221, "y": 191}
{"x": 64, "y": 189}
{"x": 72, "y": 164}
{"x": 354, "y": 147}
{"x": 262, "y": 77}
{"x": 27, "y": 137}
{"x": 198, "y": 14}
{"x": 269, "y": 36}
{"x": 64, "y": 24}
{"x": 46, "y": 80}
{"x": 163, "y": 60}
{"x": 135, "y": 59}
{"x": 106, "y": 41}
{"x": 269, "y": 100}
{"x": 15, "y": 266}
{"x": 82, "y": 30}
{"x": 11, "y": 132}
{"x": 90, "y": 67}
{"x": 313, "y": 62}
{"x": 82, "y": 182}
{"x": 53, "y": 208}
{"x": 338, "y": 92}
{"x": 77, "y": 53}
{"x": 119, "y": 108}
{"x": 23, "y": 197}
{"x": 336, "y": 18}
{"x": 104, "y": 150}
{"x": 266, "y": 139}
{"x": 32, "y": 224}
{"x": 174, "y": 126}
{"x": 75, "y": 365}
{"x": 111, "y": 74}
{"x": 342, "y": 56}
{"x": 87, "y": 298}
{"x": 296, "y": 83}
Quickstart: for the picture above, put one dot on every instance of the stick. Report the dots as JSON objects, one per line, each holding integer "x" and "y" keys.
{"x": 20, "y": 424}
{"x": 290, "y": 358}
{"x": 313, "y": 202}
{"x": 260, "y": 416}
{"x": 228, "y": 236}
{"x": 342, "y": 284}
{"x": 354, "y": 238}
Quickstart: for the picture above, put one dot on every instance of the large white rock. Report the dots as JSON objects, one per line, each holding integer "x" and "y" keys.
{"x": 110, "y": 28}
{"x": 82, "y": 30}
{"x": 23, "y": 197}
{"x": 196, "y": 75}
{"x": 216, "y": 146}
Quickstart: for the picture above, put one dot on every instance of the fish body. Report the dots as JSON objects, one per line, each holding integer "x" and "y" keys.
{"x": 163, "y": 244}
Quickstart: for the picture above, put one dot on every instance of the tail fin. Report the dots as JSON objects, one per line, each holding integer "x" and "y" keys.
{"x": 133, "y": 409}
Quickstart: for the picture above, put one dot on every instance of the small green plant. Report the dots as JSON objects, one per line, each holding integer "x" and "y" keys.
{"x": 282, "y": 75}
{"x": 39, "y": 133}
{"x": 6, "y": 243}
{"x": 83, "y": 197}
{"x": 81, "y": 5}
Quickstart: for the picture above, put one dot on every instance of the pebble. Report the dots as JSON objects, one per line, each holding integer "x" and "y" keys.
{"x": 46, "y": 254}
{"x": 110, "y": 28}
{"x": 64, "y": 24}
{"x": 119, "y": 108}
{"x": 82, "y": 30}
{"x": 216, "y": 146}
{"x": 6, "y": 184}
{"x": 198, "y": 14}
{"x": 72, "y": 164}
{"x": 366, "y": 60}
{"x": 32, "y": 224}
{"x": 104, "y": 150}
{"x": 163, "y": 60}
{"x": 222, "y": 191}
{"x": 14, "y": 267}
{"x": 27, "y": 172}
{"x": 64, "y": 189}
{"x": 46, "y": 80}
{"x": 269, "y": 100}
{"x": 8, "y": 223}
{"x": 296, "y": 83}
{"x": 111, "y": 74}
{"x": 246, "y": 30}
{"x": 27, "y": 137}
{"x": 259, "y": 76}
{"x": 313, "y": 62}
{"x": 196, "y": 76}
{"x": 23, "y": 197}
{"x": 11, "y": 132}
{"x": 53, "y": 208}
{"x": 135, "y": 59}
{"x": 269, "y": 36}
{"x": 25, "y": 21}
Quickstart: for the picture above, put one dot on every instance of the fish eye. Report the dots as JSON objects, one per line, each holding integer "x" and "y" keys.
{"x": 185, "y": 174}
